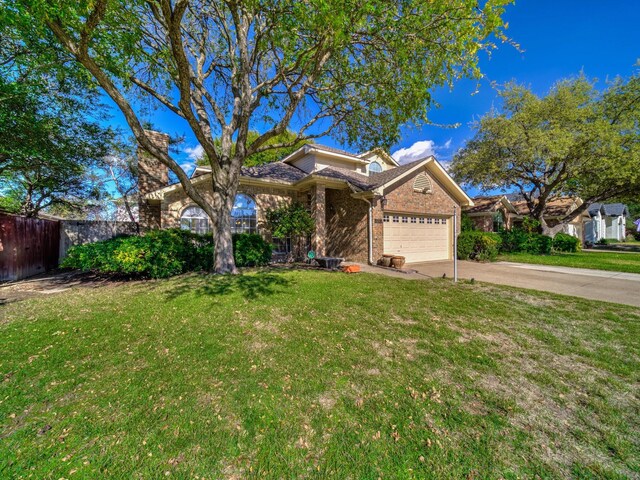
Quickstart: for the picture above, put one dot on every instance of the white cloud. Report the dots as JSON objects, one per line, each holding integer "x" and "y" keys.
{"x": 420, "y": 149}
{"x": 194, "y": 153}
{"x": 188, "y": 166}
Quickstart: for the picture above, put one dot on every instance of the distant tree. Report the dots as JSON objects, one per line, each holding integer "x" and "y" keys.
{"x": 117, "y": 176}
{"x": 575, "y": 141}
{"x": 47, "y": 149}
{"x": 357, "y": 70}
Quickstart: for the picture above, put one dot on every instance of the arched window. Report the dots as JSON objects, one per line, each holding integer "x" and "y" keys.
{"x": 375, "y": 167}
{"x": 194, "y": 219}
{"x": 243, "y": 215}
{"x": 422, "y": 184}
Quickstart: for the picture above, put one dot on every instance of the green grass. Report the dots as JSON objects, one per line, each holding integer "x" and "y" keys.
{"x": 294, "y": 374}
{"x": 617, "y": 262}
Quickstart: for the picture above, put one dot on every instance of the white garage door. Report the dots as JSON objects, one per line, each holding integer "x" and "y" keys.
{"x": 417, "y": 238}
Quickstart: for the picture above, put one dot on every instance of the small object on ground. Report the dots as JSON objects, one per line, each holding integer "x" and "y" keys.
{"x": 329, "y": 262}
{"x": 397, "y": 261}
{"x": 44, "y": 429}
{"x": 351, "y": 268}
{"x": 385, "y": 261}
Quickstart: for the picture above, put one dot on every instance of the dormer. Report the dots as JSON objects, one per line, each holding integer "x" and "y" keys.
{"x": 313, "y": 158}
{"x": 378, "y": 160}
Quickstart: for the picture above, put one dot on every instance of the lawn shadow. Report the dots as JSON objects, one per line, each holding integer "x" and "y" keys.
{"x": 251, "y": 285}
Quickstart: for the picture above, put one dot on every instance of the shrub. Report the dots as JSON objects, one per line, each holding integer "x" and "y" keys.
{"x": 518, "y": 240}
{"x": 603, "y": 241}
{"x": 251, "y": 250}
{"x": 476, "y": 245}
{"x": 565, "y": 243}
{"x": 157, "y": 254}
{"x": 466, "y": 224}
{"x": 289, "y": 220}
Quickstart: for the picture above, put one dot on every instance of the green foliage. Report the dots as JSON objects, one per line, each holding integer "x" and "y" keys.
{"x": 566, "y": 243}
{"x": 518, "y": 240}
{"x": 251, "y": 250}
{"x": 477, "y": 245}
{"x": 603, "y": 241}
{"x": 287, "y": 138}
{"x": 466, "y": 224}
{"x": 48, "y": 147}
{"x": 530, "y": 225}
{"x": 356, "y": 70}
{"x": 157, "y": 254}
{"x": 289, "y": 220}
{"x": 576, "y": 141}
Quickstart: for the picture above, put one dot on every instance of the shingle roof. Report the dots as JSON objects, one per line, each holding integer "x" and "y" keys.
{"x": 484, "y": 204}
{"x": 610, "y": 209}
{"x": 331, "y": 149}
{"x": 286, "y": 172}
{"x": 357, "y": 179}
{"x": 556, "y": 207}
{"x": 381, "y": 178}
{"x": 274, "y": 171}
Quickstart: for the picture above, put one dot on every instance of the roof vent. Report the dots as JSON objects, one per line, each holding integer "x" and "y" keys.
{"x": 422, "y": 184}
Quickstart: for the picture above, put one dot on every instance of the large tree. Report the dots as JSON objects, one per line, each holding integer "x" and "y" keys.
{"x": 356, "y": 69}
{"x": 47, "y": 149}
{"x": 288, "y": 142}
{"x": 575, "y": 141}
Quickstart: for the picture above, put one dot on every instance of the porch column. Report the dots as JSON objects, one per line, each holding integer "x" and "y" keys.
{"x": 318, "y": 196}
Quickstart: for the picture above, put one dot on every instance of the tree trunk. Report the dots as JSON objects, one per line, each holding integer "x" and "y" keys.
{"x": 551, "y": 231}
{"x": 223, "y": 200}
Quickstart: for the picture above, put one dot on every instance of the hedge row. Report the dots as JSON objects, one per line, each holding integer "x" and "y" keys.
{"x": 162, "y": 253}
{"x": 485, "y": 246}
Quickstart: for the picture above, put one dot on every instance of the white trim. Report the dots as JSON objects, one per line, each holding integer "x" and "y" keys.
{"x": 380, "y": 152}
{"x": 439, "y": 171}
{"x": 311, "y": 148}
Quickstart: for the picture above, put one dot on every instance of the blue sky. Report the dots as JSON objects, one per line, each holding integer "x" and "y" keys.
{"x": 558, "y": 39}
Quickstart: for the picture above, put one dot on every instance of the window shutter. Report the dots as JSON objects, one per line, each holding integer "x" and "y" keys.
{"x": 422, "y": 184}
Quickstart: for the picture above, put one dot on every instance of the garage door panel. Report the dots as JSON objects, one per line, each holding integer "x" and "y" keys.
{"x": 417, "y": 242}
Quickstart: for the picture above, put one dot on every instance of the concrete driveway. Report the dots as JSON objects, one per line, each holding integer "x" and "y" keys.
{"x": 614, "y": 287}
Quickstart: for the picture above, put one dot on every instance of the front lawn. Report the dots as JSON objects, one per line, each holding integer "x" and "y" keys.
{"x": 306, "y": 374}
{"x": 617, "y": 262}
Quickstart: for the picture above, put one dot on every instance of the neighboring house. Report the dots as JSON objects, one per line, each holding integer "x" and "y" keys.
{"x": 606, "y": 220}
{"x": 364, "y": 205}
{"x": 493, "y": 213}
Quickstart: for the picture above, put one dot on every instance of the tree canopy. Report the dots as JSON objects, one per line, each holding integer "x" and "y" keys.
{"x": 47, "y": 150}
{"x": 287, "y": 138}
{"x": 575, "y": 141}
{"x": 356, "y": 70}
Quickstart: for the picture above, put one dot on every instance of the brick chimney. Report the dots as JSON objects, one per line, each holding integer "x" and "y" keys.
{"x": 152, "y": 176}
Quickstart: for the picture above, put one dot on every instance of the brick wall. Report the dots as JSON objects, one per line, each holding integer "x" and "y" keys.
{"x": 402, "y": 198}
{"x": 483, "y": 223}
{"x": 346, "y": 226}
{"x": 265, "y": 198}
{"x": 152, "y": 175}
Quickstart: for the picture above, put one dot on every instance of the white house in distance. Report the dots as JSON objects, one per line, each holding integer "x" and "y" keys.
{"x": 608, "y": 220}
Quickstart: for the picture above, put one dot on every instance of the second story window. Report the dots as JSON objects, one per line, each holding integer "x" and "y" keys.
{"x": 375, "y": 167}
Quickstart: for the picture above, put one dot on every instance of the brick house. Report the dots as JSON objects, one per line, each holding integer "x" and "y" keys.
{"x": 363, "y": 205}
{"x": 497, "y": 212}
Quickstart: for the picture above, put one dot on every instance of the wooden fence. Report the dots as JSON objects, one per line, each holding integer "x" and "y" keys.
{"x": 28, "y": 246}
